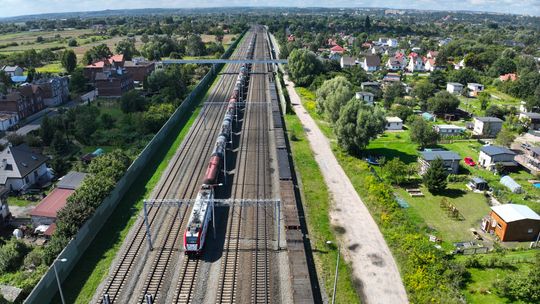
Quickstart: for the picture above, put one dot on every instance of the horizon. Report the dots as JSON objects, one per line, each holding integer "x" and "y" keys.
{"x": 22, "y": 8}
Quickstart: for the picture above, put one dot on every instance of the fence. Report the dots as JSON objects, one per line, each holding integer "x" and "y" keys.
{"x": 47, "y": 287}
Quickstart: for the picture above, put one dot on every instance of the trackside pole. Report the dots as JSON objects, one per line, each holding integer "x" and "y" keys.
{"x": 149, "y": 237}
{"x": 106, "y": 299}
{"x": 213, "y": 217}
{"x": 278, "y": 219}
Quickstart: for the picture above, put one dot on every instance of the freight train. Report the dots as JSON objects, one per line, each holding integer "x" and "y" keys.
{"x": 201, "y": 214}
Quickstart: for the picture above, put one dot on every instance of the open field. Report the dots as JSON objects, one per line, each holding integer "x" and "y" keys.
{"x": 227, "y": 39}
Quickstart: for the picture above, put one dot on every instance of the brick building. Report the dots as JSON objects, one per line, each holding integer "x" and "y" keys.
{"x": 139, "y": 68}
{"x": 24, "y": 101}
{"x": 109, "y": 76}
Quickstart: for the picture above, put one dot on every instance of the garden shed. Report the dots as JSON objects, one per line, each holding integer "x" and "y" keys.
{"x": 478, "y": 183}
{"x": 511, "y": 184}
{"x": 428, "y": 116}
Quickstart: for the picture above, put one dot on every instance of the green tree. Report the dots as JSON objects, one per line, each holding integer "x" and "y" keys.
{"x": 332, "y": 97}
{"x": 58, "y": 144}
{"x": 463, "y": 76}
{"x": 505, "y": 137}
{"x": 496, "y": 111}
{"x": 132, "y": 101}
{"x": 12, "y": 255}
{"x": 392, "y": 92}
{"x": 422, "y": 133}
{"x": 73, "y": 42}
{"x": 394, "y": 171}
{"x": 443, "y": 103}
{"x": 502, "y": 66}
{"x": 521, "y": 286}
{"x": 483, "y": 98}
{"x": 69, "y": 60}
{"x": 402, "y": 111}
{"x": 107, "y": 121}
{"x": 357, "y": 125}
{"x": 46, "y": 130}
{"x": 156, "y": 116}
{"x": 127, "y": 48}
{"x": 437, "y": 78}
{"x": 533, "y": 102}
{"x": 367, "y": 23}
{"x": 96, "y": 53}
{"x": 423, "y": 90}
{"x": 303, "y": 66}
{"x": 195, "y": 46}
{"x": 77, "y": 83}
{"x": 435, "y": 178}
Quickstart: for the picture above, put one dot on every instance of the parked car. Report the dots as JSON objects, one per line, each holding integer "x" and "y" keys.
{"x": 469, "y": 161}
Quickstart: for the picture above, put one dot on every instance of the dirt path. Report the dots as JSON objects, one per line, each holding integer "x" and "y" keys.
{"x": 363, "y": 244}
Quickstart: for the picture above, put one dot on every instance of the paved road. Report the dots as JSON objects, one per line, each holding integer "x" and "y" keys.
{"x": 363, "y": 244}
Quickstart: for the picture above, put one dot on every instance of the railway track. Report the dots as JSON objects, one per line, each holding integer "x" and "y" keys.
{"x": 204, "y": 129}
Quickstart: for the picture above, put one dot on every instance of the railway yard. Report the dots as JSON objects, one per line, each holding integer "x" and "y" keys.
{"x": 242, "y": 260}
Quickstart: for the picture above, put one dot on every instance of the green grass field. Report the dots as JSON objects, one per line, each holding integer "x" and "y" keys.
{"x": 53, "y": 68}
{"x": 317, "y": 205}
{"x": 479, "y": 289}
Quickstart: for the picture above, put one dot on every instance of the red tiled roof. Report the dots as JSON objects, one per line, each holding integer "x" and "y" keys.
{"x": 116, "y": 58}
{"x": 50, "y": 230}
{"x": 98, "y": 64}
{"x": 49, "y": 206}
{"x": 506, "y": 77}
{"x": 413, "y": 55}
{"x": 337, "y": 48}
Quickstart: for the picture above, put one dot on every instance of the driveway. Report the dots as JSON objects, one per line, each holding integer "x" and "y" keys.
{"x": 363, "y": 244}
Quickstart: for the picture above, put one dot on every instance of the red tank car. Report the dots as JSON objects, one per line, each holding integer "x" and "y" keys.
{"x": 212, "y": 171}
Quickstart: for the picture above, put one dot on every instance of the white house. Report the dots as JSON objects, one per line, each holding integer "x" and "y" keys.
{"x": 431, "y": 65}
{"x": 8, "y": 120}
{"x": 487, "y": 126}
{"x": 491, "y": 155}
{"x": 371, "y": 63}
{"x": 394, "y": 123}
{"x": 21, "y": 168}
{"x": 390, "y": 42}
{"x": 474, "y": 89}
{"x": 448, "y": 130}
{"x": 367, "y": 97}
{"x": 416, "y": 64}
{"x": 460, "y": 65}
{"x": 347, "y": 61}
{"x": 454, "y": 88}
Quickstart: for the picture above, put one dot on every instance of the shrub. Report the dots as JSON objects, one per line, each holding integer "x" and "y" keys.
{"x": 11, "y": 255}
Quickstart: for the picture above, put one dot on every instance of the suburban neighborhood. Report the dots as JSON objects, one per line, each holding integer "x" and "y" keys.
{"x": 278, "y": 154}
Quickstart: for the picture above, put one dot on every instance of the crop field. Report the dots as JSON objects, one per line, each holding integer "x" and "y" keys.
{"x": 27, "y": 40}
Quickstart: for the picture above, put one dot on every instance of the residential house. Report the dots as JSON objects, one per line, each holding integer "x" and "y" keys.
{"x": 416, "y": 64}
{"x": 460, "y": 65}
{"x": 450, "y": 159}
{"x": 533, "y": 120}
{"x": 46, "y": 211}
{"x": 24, "y": 101}
{"x": 370, "y": 84}
{"x": 110, "y": 77}
{"x": 390, "y": 42}
{"x": 139, "y": 68}
{"x": 508, "y": 77}
{"x": 337, "y": 49}
{"x": 397, "y": 62}
{"x": 367, "y": 97}
{"x": 20, "y": 168}
{"x": 444, "y": 41}
{"x": 487, "y": 126}
{"x": 530, "y": 158}
{"x": 394, "y": 123}
{"x": 13, "y": 70}
{"x": 8, "y": 120}
{"x": 391, "y": 78}
{"x": 55, "y": 90}
{"x": 474, "y": 89}
{"x": 371, "y": 63}
{"x": 512, "y": 222}
{"x": 379, "y": 50}
{"x": 492, "y": 155}
{"x": 454, "y": 88}
{"x": 347, "y": 61}
{"x": 431, "y": 65}
{"x": 448, "y": 130}
{"x": 432, "y": 54}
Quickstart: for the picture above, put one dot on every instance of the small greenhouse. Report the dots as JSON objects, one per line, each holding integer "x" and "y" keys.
{"x": 511, "y": 184}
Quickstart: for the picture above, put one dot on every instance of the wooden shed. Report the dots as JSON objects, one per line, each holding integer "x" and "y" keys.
{"x": 512, "y": 222}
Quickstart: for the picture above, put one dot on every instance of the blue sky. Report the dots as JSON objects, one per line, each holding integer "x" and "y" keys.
{"x": 25, "y": 7}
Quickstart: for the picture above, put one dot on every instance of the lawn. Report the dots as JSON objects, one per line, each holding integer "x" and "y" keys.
{"x": 394, "y": 144}
{"x": 316, "y": 200}
{"x": 472, "y": 206}
{"x": 53, "y": 68}
{"x": 20, "y": 202}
